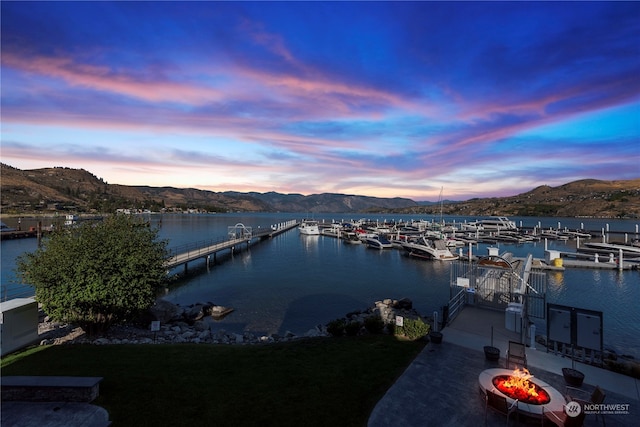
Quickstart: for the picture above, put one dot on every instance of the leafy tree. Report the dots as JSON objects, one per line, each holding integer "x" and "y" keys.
{"x": 97, "y": 274}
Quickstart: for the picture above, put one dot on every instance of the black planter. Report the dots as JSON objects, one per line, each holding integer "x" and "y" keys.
{"x": 572, "y": 377}
{"x": 491, "y": 353}
{"x": 436, "y": 337}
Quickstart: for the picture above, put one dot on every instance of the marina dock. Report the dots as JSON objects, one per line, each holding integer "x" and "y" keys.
{"x": 238, "y": 236}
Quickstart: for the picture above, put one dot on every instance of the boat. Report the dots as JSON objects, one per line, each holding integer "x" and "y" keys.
{"x": 425, "y": 248}
{"x": 378, "y": 242}
{"x": 352, "y": 239}
{"x": 335, "y": 230}
{"x": 4, "y": 228}
{"x": 496, "y": 223}
{"x": 309, "y": 228}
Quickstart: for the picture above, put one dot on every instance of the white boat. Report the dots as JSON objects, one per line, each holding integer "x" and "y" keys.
{"x": 378, "y": 242}
{"x": 497, "y": 223}
{"x": 454, "y": 243}
{"x": 429, "y": 249}
{"x": 309, "y": 228}
{"x": 335, "y": 230}
{"x": 352, "y": 239}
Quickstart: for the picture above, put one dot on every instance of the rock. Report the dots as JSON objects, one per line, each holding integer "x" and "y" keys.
{"x": 201, "y": 326}
{"x": 196, "y": 312}
{"x": 239, "y": 339}
{"x": 188, "y": 335}
{"x": 164, "y": 311}
{"x": 219, "y": 312}
{"x": 404, "y": 304}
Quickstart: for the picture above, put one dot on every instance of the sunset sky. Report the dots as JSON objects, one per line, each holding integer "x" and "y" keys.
{"x": 387, "y": 99}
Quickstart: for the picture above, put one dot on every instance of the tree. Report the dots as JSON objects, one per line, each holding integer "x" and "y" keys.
{"x": 97, "y": 274}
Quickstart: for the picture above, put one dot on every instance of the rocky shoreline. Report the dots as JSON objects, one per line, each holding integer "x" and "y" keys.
{"x": 180, "y": 325}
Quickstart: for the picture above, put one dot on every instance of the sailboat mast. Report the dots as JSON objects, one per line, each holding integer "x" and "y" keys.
{"x": 441, "y": 202}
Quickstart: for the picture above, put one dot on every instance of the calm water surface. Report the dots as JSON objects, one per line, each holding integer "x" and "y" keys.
{"x": 293, "y": 282}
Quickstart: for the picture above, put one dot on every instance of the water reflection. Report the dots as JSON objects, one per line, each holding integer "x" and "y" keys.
{"x": 309, "y": 242}
{"x": 294, "y": 282}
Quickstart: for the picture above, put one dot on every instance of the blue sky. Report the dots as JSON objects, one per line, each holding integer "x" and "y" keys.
{"x": 388, "y": 99}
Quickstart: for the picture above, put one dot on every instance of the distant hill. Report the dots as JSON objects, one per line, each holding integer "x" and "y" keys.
{"x": 77, "y": 190}
{"x": 584, "y": 198}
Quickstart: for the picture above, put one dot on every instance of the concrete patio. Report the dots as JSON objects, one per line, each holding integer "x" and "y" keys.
{"x": 440, "y": 388}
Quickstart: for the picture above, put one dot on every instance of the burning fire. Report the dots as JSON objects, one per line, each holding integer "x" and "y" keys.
{"x": 518, "y": 386}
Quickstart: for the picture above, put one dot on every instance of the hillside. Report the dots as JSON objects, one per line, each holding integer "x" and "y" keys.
{"x": 584, "y": 198}
{"x": 77, "y": 190}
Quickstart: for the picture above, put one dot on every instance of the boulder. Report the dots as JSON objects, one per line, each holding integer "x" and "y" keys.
{"x": 404, "y": 304}
{"x": 201, "y": 326}
{"x": 219, "y": 312}
{"x": 195, "y": 312}
{"x": 164, "y": 311}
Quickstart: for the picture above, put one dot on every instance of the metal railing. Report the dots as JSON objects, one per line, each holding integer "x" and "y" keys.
{"x": 15, "y": 290}
{"x": 456, "y": 304}
{"x": 195, "y": 248}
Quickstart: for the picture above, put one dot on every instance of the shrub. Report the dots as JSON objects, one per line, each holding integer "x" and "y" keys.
{"x": 352, "y": 328}
{"x": 97, "y": 274}
{"x": 412, "y": 329}
{"x": 336, "y": 327}
{"x": 391, "y": 328}
{"x": 374, "y": 324}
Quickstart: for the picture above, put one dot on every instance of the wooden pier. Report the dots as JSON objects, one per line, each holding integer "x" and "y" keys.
{"x": 238, "y": 236}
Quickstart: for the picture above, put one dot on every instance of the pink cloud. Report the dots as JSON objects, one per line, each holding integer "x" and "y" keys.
{"x": 104, "y": 79}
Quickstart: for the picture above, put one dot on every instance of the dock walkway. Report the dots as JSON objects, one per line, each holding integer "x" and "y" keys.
{"x": 184, "y": 254}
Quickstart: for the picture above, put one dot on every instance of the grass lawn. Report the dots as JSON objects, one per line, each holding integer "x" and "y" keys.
{"x": 314, "y": 382}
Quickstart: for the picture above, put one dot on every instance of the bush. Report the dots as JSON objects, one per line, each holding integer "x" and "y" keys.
{"x": 391, "y": 328}
{"x": 413, "y": 329}
{"x": 374, "y": 324}
{"x": 336, "y": 327}
{"x": 352, "y": 328}
{"x": 97, "y": 274}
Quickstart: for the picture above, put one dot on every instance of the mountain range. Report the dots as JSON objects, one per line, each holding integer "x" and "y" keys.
{"x": 77, "y": 190}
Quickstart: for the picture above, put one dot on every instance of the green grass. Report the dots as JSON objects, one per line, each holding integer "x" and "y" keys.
{"x": 315, "y": 382}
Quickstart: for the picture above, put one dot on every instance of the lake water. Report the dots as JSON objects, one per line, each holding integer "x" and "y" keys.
{"x": 293, "y": 282}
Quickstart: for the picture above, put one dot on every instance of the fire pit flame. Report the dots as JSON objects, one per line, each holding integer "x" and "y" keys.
{"x": 518, "y": 386}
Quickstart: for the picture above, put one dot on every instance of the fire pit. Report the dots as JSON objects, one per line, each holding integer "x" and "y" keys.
{"x": 531, "y": 393}
{"x": 517, "y": 386}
